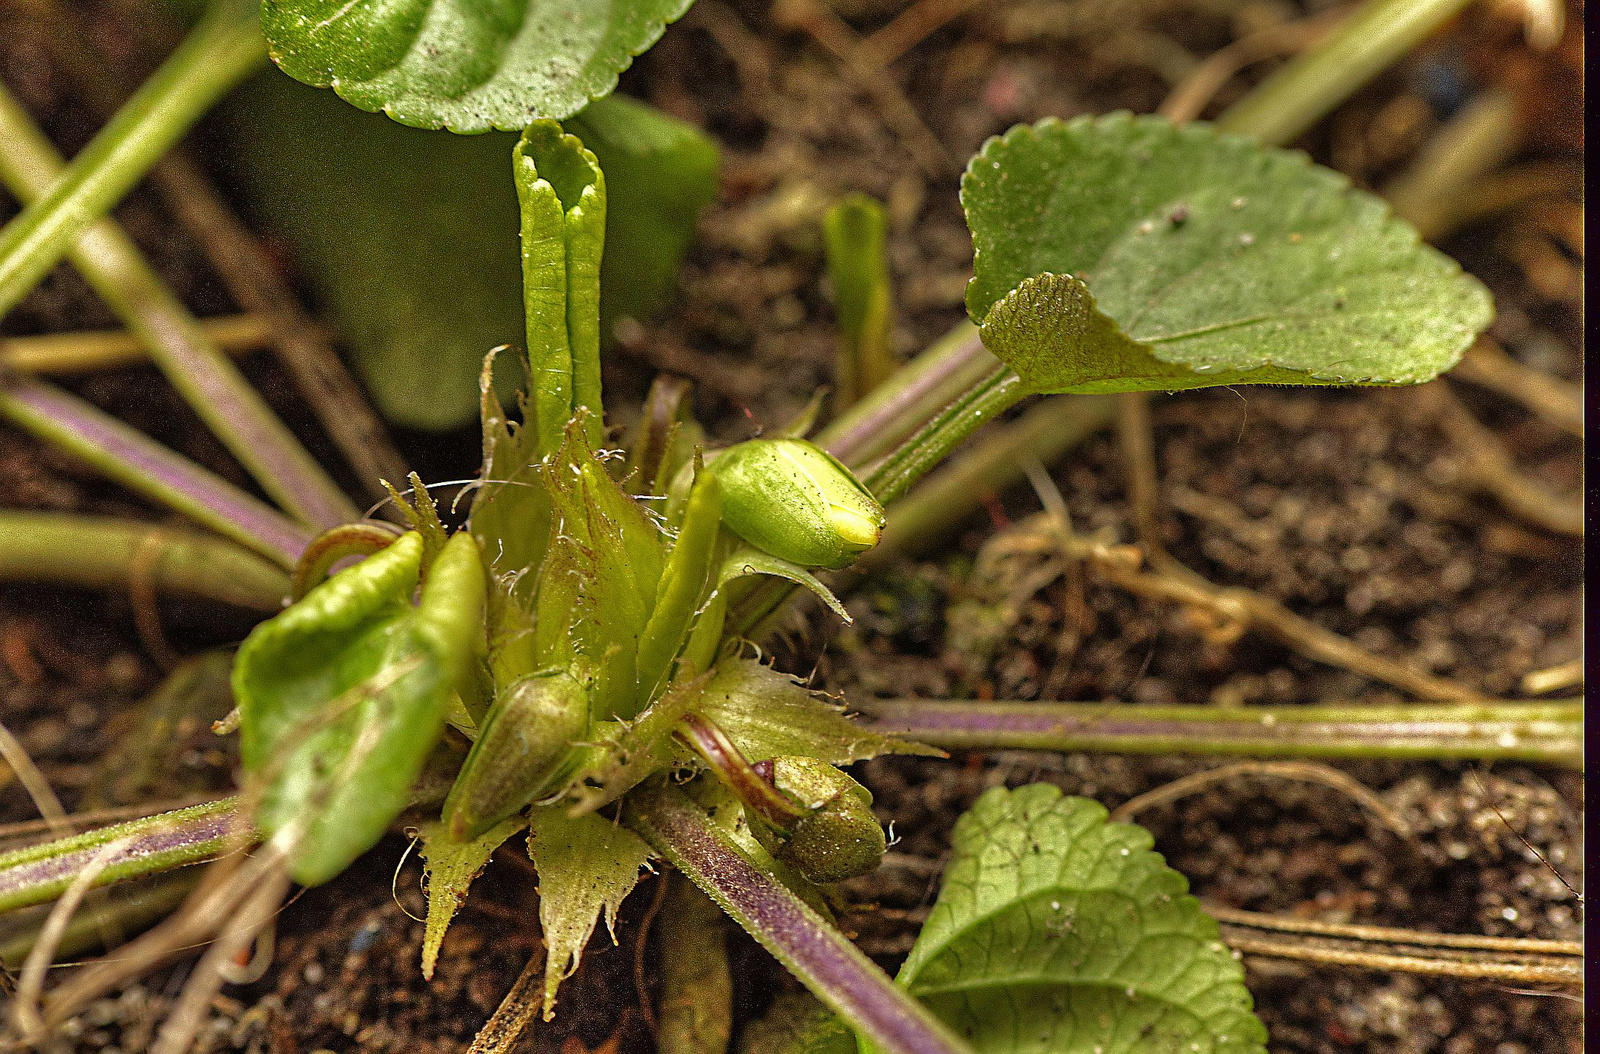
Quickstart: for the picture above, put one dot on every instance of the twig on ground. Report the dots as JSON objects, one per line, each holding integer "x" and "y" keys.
{"x": 863, "y": 66}
{"x": 1302, "y": 771}
{"x": 1186, "y": 102}
{"x": 1491, "y": 470}
{"x": 520, "y": 1006}
{"x": 1557, "y": 402}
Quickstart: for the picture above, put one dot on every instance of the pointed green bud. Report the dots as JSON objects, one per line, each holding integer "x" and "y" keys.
{"x": 791, "y": 498}
{"x": 838, "y": 837}
{"x": 526, "y": 740}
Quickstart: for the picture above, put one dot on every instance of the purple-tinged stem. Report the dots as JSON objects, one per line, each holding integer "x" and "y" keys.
{"x": 1546, "y": 732}
{"x": 836, "y": 971}
{"x": 752, "y": 787}
{"x": 914, "y": 395}
{"x": 40, "y": 873}
{"x": 146, "y": 466}
{"x": 208, "y": 381}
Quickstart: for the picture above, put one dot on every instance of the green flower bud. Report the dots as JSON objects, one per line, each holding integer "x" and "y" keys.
{"x": 794, "y": 500}
{"x": 838, "y": 837}
{"x": 527, "y": 737}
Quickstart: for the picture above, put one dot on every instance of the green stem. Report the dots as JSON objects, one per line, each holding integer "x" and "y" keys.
{"x": 998, "y": 391}
{"x": 40, "y": 873}
{"x": 1545, "y": 733}
{"x": 222, "y": 50}
{"x": 1285, "y": 105}
{"x": 996, "y": 463}
{"x": 112, "y": 264}
{"x": 913, "y": 395}
{"x": 105, "y": 553}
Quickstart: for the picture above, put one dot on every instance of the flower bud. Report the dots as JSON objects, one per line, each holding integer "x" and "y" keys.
{"x": 527, "y": 736}
{"x": 838, "y": 837}
{"x": 792, "y": 499}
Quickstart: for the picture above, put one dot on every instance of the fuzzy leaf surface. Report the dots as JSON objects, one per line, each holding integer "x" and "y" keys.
{"x": 451, "y": 867}
{"x": 466, "y": 65}
{"x": 1056, "y": 931}
{"x": 1126, "y": 253}
{"x": 768, "y": 714}
{"x": 587, "y": 866}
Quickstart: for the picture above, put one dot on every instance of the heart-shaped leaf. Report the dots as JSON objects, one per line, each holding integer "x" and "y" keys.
{"x": 1058, "y": 932}
{"x": 466, "y": 65}
{"x": 1127, "y": 253}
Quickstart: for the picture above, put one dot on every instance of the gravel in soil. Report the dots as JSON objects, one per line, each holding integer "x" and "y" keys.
{"x": 1350, "y": 508}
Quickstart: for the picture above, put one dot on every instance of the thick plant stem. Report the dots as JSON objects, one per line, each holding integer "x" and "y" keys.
{"x": 203, "y": 375}
{"x": 154, "y": 844}
{"x": 824, "y": 960}
{"x": 999, "y": 461}
{"x": 1289, "y": 102}
{"x": 101, "y": 552}
{"x": 140, "y": 463}
{"x": 894, "y": 410}
{"x": 1545, "y": 733}
{"x": 224, "y": 48}
{"x": 997, "y": 392}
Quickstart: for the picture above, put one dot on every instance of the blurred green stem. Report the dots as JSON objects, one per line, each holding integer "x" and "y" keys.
{"x": 106, "y": 553}
{"x": 1285, "y": 105}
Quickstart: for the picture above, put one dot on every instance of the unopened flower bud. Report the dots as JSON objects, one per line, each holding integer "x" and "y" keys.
{"x": 838, "y": 837}
{"x": 528, "y": 733}
{"x": 794, "y": 500}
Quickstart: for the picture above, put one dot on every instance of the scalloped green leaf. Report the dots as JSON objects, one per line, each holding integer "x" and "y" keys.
{"x": 1056, "y": 931}
{"x": 1127, "y": 253}
{"x": 465, "y": 65}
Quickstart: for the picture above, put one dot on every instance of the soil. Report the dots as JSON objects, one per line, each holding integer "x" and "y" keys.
{"x": 1350, "y": 507}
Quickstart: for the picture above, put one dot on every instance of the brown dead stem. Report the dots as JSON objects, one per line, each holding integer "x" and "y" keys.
{"x": 520, "y": 1006}
{"x": 869, "y": 74}
{"x": 1186, "y": 102}
{"x": 1491, "y": 470}
{"x": 1560, "y": 972}
{"x": 914, "y": 25}
{"x": 1300, "y": 771}
{"x": 1558, "y": 403}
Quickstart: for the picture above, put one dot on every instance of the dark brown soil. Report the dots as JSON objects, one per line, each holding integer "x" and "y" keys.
{"x": 1349, "y": 507}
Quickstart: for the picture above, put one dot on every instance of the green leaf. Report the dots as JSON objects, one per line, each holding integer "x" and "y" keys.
{"x": 855, "y": 236}
{"x": 798, "y": 1024}
{"x": 466, "y": 65}
{"x": 403, "y": 235}
{"x": 623, "y": 754}
{"x": 562, "y": 193}
{"x": 660, "y": 172}
{"x": 768, "y": 714}
{"x": 587, "y": 865}
{"x": 1126, "y": 253}
{"x": 598, "y": 583}
{"x": 451, "y": 866}
{"x": 510, "y": 511}
{"x": 343, "y": 695}
{"x": 1058, "y": 932}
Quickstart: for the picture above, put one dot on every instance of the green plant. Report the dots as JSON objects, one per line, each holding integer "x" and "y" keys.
{"x": 575, "y": 651}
